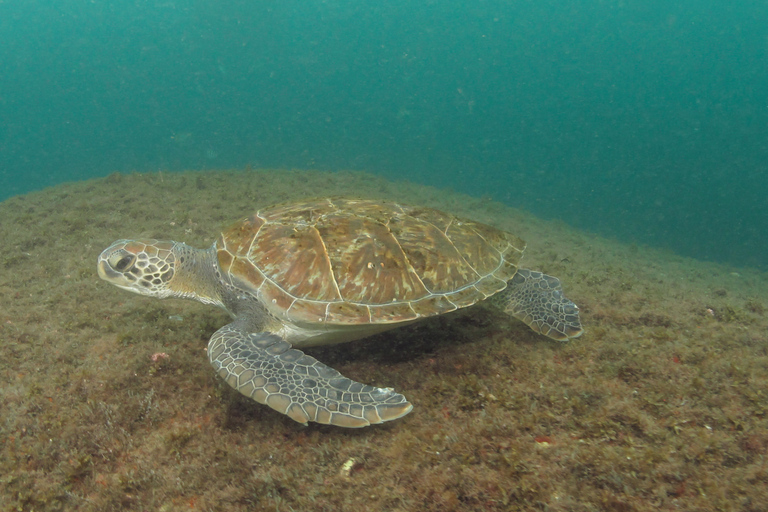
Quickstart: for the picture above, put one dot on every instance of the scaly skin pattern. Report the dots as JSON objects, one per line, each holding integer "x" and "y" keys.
{"x": 265, "y": 368}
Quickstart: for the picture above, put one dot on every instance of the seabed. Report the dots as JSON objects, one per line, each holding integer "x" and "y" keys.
{"x": 660, "y": 405}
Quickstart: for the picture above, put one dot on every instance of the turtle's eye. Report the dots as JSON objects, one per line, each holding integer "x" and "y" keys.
{"x": 121, "y": 261}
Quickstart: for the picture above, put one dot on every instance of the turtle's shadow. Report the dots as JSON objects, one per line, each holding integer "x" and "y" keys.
{"x": 421, "y": 339}
{"x": 425, "y": 340}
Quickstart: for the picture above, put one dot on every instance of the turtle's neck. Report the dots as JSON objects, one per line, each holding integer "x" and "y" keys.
{"x": 197, "y": 275}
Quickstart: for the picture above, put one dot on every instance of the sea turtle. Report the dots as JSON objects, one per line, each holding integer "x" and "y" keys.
{"x": 328, "y": 271}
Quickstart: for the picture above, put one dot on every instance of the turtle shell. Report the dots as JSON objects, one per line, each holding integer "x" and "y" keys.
{"x": 349, "y": 261}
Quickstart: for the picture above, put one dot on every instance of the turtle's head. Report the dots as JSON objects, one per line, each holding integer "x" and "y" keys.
{"x": 162, "y": 268}
{"x": 142, "y": 266}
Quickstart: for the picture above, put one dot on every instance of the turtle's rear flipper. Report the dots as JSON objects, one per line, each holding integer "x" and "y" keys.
{"x": 537, "y": 299}
{"x": 264, "y": 367}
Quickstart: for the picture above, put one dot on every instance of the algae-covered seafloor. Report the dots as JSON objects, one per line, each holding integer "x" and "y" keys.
{"x": 660, "y": 405}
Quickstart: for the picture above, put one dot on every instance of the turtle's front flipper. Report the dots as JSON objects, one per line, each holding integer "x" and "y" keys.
{"x": 264, "y": 367}
{"x": 537, "y": 299}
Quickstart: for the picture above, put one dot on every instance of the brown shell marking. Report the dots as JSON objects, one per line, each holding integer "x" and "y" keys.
{"x": 343, "y": 261}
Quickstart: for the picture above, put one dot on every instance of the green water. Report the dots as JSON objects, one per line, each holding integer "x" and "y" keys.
{"x": 642, "y": 120}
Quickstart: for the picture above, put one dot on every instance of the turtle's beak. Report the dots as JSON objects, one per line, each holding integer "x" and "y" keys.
{"x": 114, "y": 263}
{"x": 105, "y": 271}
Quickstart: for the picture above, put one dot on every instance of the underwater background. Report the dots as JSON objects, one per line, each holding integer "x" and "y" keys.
{"x": 646, "y": 120}
{"x": 624, "y": 141}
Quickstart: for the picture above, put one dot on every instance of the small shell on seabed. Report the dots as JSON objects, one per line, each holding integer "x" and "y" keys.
{"x": 347, "y": 467}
